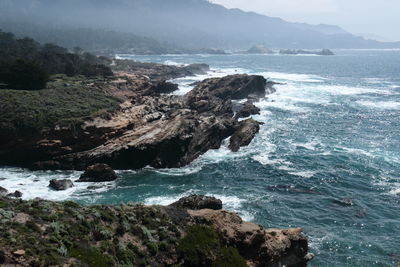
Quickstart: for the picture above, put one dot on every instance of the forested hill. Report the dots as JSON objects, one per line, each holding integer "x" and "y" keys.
{"x": 183, "y": 23}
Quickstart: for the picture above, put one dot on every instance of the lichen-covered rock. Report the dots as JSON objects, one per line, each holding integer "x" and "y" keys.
{"x": 98, "y": 173}
{"x": 198, "y": 202}
{"x": 61, "y": 185}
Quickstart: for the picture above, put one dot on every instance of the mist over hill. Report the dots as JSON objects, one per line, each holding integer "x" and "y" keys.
{"x": 176, "y": 23}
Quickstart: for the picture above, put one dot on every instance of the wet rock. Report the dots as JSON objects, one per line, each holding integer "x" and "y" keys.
{"x": 247, "y": 110}
{"x": 3, "y": 191}
{"x": 16, "y": 194}
{"x": 2, "y": 179}
{"x": 198, "y": 202}
{"x": 61, "y": 185}
{"x": 344, "y": 202}
{"x": 244, "y": 134}
{"x": 98, "y": 173}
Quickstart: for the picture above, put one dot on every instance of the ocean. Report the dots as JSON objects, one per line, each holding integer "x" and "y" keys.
{"x": 327, "y": 158}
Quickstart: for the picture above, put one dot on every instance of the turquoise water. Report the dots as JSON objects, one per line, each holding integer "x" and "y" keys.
{"x": 331, "y": 132}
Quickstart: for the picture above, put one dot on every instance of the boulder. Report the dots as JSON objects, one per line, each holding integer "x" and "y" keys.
{"x": 243, "y": 135}
{"x": 198, "y": 202}
{"x": 165, "y": 87}
{"x": 247, "y": 110}
{"x": 98, "y": 173}
{"x": 237, "y": 87}
{"x": 16, "y": 194}
{"x": 3, "y": 191}
{"x": 61, "y": 185}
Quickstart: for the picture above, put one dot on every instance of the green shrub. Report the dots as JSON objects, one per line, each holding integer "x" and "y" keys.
{"x": 91, "y": 256}
{"x": 229, "y": 257}
{"x": 198, "y": 246}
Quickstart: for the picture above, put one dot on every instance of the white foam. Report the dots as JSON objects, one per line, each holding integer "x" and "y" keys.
{"x": 174, "y": 63}
{"x": 295, "y": 77}
{"x": 305, "y": 174}
{"x": 384, "y": 105}
{"x": 34, "y": 184}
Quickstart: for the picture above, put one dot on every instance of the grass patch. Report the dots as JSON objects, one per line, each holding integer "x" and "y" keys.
{"x": 229, "y": 257}
{"x": 67, "y": 100}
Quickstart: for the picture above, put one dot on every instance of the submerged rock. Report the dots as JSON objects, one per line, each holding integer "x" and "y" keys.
{"x": 344, "y": 202}
{"x": 61, "y": 185}
{"x": 244, "y": 134}
{"x": 198, "y": 202}
{"x": 98, "y": 173}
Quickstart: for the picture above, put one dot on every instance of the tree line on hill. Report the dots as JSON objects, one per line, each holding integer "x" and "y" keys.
{"x": 27, "y": 65}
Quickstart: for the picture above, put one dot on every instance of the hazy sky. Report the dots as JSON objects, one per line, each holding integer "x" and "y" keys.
{"x": 379, "y": 18}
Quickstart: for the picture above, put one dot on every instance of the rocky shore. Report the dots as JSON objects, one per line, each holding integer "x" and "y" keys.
{"x": 193, "y": 231}
{"x": 148, "y": 127}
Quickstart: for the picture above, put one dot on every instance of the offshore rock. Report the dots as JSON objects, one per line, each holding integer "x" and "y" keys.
{"x": 247, "y": 110}
{"x": 198, "y": 202}
{"x": 61, "y": 185}
{"x": 98, "y": 173}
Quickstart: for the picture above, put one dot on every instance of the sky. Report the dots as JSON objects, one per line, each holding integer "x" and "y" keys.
{"x": 378, "y": 19}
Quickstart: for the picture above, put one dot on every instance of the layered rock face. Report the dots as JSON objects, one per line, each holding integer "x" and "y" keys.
{"x": 186, "y": 233}
{"x": 150, "y": 128}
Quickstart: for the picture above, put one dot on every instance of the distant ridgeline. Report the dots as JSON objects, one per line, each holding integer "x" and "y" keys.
{"x": 26, "y": 64}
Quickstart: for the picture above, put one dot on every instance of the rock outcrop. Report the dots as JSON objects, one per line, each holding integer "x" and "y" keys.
{"x": 98, "y": 173}
{"x": 60, "y": 185}
{"x": 198, "y": 202}
{"x": 243, "y": 135}
{"x": 247, "y": 110}
{"x": 323, "y": 52}
{"x": 149, "y": 128}
{"x": 3, "y": 191}
{"x": 44, "y": 233}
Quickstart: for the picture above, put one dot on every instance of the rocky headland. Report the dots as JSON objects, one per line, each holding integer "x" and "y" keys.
{"x": 193, "y": 231}
{"x": 139, "y": 124}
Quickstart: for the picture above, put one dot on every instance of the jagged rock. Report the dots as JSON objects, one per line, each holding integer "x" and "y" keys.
{"x": 98, "y": 173}
{"x": 238, "y": 86}
{"x": 262, "y": 247}
{"x": 243, "y": 135}
{"x": 148, "y": 128}
{"x": 61, "y": 185}
{"x": 198, "y": 202}
{"x": 165, "y": 87}
{"x": 16, "y": 194}
{"x": 247, "y": 110}
{"x": 3, "y": 191}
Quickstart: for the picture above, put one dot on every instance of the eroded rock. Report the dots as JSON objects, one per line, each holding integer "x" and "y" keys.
{"x": 98, "y": 173}
{"x": 198, "y": 202}
{"x": 244, "y": 134}
{"x": 61, "y": 185}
